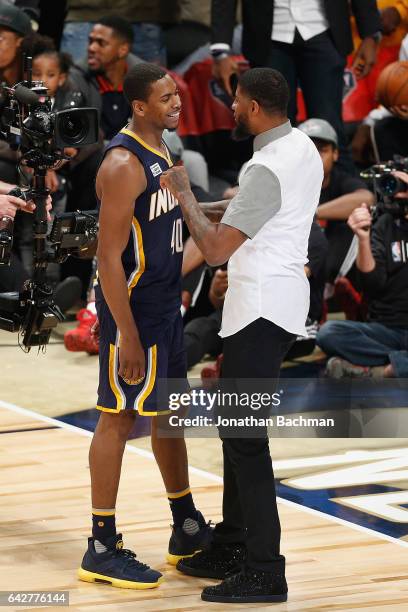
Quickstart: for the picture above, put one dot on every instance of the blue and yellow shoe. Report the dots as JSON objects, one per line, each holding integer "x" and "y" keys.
{"x": 183, "y": 544}
{"x": 117, "y": 566}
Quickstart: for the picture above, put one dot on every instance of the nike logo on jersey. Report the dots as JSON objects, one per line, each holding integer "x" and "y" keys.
{"x": 156, "y": 170}
{"x": 161, "y": 202}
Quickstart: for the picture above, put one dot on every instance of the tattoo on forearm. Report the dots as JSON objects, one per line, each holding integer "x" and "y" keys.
{"x": 197, "y": 222}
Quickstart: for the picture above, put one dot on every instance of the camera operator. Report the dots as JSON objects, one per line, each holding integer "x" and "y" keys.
{"x": 12, "y": 277}
{"x": 379, "y": 347}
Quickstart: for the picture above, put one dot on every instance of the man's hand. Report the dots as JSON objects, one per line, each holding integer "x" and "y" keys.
{"x": 218, "y": 288}
{"x": 222, "y": 70}
{"x": 403, "y": 176}
{"x": 176, "y": 180}
{"x": 51, "y": 181}
{"x": 219, "y": 283}
{"x": 360, "y": 222}
{"x": 132, "y": 362}
{"x": 390, "y": 20}
{"x": 365, "y": 58}
{"x": 9, "y": 205}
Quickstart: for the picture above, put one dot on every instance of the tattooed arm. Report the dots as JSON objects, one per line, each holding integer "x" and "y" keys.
{"x": 216, "y": 241}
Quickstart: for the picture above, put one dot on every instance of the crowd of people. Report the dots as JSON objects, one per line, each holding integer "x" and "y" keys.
{"x": 82, "y": 51}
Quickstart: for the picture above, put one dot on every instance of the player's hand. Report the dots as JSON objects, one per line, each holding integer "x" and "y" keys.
{"x": 132, "y": 362}
{"x": 222, "y": 70}
{"x": 365, "y": 58}
{"x": 360, "y": 221}
{"x": 95, "y": 330}
{"x": 176, "y": 180}
{"x": 403, "y": 176}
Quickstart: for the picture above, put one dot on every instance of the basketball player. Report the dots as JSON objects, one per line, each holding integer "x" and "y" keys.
{"x": 141, "y": 333}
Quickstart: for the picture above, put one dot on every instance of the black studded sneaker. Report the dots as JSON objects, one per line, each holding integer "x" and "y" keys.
{"x": 249, "y": 586}
{"x": 182, "y": 545}
{"x": 215, "y": 562}
{"x": 117, "y": 566}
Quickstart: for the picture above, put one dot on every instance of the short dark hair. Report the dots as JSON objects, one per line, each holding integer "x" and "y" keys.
{"x": 139, "y": 80}
{"x": 268, "y": 87}
{"x": 121, "y": 27}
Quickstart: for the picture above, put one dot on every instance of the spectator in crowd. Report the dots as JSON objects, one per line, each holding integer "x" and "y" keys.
{"x": 51, "y": 67}
{"x": 394, "y": 16}
{"x": 379, "y": 347}
{"x": 191, "y": 33}
{"x": 306, "y": 41}
{"x": 15, "y": 31}
{"x": 384, "y": 132}
{"x": 146, "y": 19}
{"x": 341, "y": 194}
{"x": 101, "y": 76}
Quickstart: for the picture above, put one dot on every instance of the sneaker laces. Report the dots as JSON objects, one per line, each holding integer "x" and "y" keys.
{"x": 130, "y": 557}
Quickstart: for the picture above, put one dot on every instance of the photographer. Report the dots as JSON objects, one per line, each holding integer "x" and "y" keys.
{"x": 12, "y": 277}
{"x": 378, "y": 348}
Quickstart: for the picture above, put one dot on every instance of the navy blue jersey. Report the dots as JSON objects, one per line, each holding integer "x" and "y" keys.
{"x": 153, "y": 255}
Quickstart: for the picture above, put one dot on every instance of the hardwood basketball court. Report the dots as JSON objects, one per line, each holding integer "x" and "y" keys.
{"x": 332, "y": 564}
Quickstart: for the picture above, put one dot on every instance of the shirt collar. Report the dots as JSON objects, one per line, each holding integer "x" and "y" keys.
{"x": 265, "y": 138}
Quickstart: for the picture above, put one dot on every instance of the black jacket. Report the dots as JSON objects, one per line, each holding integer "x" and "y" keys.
{"x": 257, "y": 17}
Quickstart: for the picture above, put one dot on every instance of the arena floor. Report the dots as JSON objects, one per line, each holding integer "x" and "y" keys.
{"x": 343, "y": 502}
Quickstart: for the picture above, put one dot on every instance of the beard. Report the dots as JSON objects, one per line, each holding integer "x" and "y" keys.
{"x": 241, "y": 130}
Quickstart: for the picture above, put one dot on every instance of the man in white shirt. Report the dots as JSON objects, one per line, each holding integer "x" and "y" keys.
{"x": 307, "y": 41}
{"x": 264, "y": 235}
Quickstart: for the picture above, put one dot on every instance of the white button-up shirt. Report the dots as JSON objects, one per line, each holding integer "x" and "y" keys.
{"x": 307, "y": 16}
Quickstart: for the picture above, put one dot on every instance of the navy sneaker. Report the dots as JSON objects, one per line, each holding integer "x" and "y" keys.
{"x": 182, "y": 545}
{"x": 117, "y": 566}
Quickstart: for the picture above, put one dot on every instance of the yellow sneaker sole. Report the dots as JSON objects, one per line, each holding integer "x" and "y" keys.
{"x": 174, "y": 559}
{"x": 88, "y": 576}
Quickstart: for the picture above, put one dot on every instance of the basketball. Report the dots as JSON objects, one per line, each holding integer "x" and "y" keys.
{"x": 392, "y": 85}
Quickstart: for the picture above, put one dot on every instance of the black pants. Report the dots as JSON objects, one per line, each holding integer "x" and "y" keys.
{"x": 250, "y": 513}
{"x": 318, "y": 68}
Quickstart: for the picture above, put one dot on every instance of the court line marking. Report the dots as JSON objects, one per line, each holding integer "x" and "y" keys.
{"x": 208, "y": 475}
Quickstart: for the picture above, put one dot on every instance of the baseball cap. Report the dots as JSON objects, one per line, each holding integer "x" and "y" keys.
{"x": 14, "y": 19}
{"x": 319, "y": 128}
